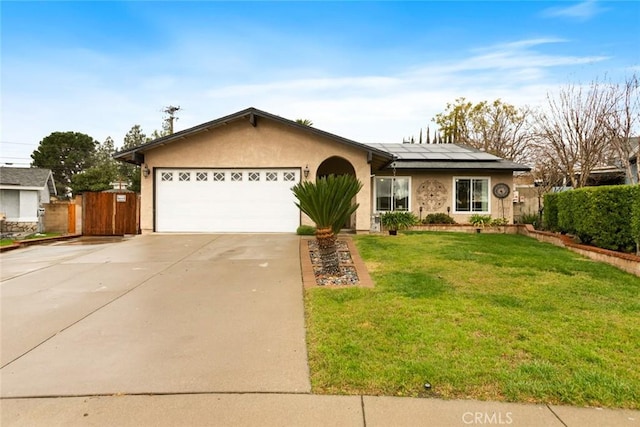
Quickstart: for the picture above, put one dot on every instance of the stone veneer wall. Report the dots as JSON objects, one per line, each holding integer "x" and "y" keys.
{"x": 19, "y": 227}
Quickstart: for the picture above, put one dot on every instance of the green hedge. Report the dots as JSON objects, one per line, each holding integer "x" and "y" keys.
{"x": 550, "y": 212}
{"x": 635, "y": 216}
{"x": 608, "y": 217}
{"x": 438, "y": 218}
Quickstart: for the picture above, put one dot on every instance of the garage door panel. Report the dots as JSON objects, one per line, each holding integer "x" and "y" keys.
{"x": 192, "y": 201}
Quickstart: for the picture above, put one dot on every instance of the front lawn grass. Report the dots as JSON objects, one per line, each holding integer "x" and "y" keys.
{"x": 6, "y": 242}
{"x": 481, "y": 316}
{"x": 41, "y": 236}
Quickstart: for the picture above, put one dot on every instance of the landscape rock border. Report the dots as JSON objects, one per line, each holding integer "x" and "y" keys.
{"x": 308, "y": 275}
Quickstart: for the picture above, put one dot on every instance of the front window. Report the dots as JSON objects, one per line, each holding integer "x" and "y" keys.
{"x": 392, "y": 194}
{"x": 472, "y": 195}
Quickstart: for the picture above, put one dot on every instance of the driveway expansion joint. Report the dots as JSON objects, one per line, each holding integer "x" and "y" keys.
{"x": 168, "y": 393}
{"x": 555, "y": 415}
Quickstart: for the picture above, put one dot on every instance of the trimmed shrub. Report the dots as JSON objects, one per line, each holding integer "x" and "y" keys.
{"x": 438, "y": 218}
{"x": 306, "y": 230}
{"x": 550, "y": 212}
{"x": 635, "y": 216}
{"x": 574, "y": 214}
{"x": 607, "y": 217}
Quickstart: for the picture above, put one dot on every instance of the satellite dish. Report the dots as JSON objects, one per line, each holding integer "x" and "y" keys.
{"x": 501, "y": 190}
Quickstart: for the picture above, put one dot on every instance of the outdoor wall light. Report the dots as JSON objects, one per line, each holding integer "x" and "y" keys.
{"x": 305, "y": 171}
{"x": 145, "y": 171}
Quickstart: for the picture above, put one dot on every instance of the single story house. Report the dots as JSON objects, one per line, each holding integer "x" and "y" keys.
{"x": 235, "y": 173}
{"x": 23, "y": 191}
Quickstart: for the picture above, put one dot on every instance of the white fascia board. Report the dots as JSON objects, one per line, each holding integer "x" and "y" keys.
{"x": 18, "y": 187}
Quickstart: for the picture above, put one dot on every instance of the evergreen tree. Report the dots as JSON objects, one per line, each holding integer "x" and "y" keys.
{"x": 103, "y": 172}
{"x": 128, "y": 172}
{"x": 66, "y": 154}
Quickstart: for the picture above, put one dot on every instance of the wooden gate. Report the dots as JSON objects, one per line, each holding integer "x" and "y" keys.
{"x": 110, "y": 214}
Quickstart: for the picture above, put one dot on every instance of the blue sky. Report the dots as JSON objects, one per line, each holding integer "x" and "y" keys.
{"x": 368, "y": 71}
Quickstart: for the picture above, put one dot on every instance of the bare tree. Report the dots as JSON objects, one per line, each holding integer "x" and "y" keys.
{"x": 625, "y": 122}
{"x": 574, "y": 130}
{"x": 495, "y": 127}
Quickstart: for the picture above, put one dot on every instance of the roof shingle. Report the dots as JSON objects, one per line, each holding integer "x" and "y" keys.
{"x": 26, "y": 177}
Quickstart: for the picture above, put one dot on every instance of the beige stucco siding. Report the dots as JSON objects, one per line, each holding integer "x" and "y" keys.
{"x": 268, "y": 145}
{"x": 443, "y": 196}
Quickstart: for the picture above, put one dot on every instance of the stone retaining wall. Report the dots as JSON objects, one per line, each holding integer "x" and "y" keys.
{"x": 19, "y": 227}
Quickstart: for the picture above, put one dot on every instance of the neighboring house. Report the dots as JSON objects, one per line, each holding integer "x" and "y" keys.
{"x": 614, "y": 171}
{"x": 22, "y": 193}
{"x": 235, "y": 174}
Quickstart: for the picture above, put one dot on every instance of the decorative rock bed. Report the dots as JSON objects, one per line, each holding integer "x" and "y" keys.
{"x": 348, "y": 274}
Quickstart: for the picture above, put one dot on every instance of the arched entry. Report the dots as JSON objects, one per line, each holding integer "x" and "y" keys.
{"x": 336, "y": 165}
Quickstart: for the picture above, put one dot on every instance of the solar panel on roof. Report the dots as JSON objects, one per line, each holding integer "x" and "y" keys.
{"x": 435, "y": 152}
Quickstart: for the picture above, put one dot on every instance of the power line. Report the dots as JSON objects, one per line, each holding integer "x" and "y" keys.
{"x": 18, "y": 143}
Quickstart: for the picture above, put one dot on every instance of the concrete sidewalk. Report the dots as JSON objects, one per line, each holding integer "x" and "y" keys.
{"x": 296, "y": 410}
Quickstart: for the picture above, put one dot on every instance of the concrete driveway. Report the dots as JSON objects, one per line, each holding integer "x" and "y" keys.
{"x": 154, "y": 314}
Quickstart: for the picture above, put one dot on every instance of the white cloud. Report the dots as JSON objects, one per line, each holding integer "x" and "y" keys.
{"x": 104, "y": 96}
{"x": 374, "y": 108}
{"x": 582, "y": 11}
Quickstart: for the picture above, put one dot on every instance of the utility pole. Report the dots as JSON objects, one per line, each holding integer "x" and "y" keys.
{"x": 170, "y": 111}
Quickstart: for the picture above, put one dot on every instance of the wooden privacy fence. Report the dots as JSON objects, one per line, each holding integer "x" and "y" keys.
{"x": 110, "y": 214}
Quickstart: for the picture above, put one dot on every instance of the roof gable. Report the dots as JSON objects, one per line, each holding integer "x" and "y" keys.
{"x": 253, "y": 116}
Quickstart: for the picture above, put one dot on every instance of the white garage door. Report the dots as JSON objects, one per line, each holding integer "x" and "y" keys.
{"x": 226, "y": 200}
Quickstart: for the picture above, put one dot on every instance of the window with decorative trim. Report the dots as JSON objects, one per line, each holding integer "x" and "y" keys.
{"x": 202, "y": 176}
{"x": 392, "y": 193}
{"x": 184, "y": 176}
{"x": 288, "y": 176}
{"x": 166, "y": 176}
{"x": 218, "y": 176}
{"x": 236, "y": 176}
{"x": 271, "y": 176}
{"x": 254, "y": 176}
{"x": 471, "y": 195}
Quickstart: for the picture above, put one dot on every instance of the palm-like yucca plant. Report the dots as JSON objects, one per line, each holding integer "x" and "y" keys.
{"x": 328, "y": 203}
